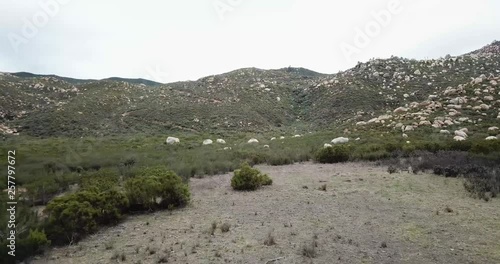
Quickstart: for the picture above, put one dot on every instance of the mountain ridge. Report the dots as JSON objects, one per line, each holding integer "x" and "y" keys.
{"x": 249, "y": 99}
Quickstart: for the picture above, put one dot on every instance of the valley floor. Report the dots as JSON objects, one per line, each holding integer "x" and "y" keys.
{"x": 366, "y": 215}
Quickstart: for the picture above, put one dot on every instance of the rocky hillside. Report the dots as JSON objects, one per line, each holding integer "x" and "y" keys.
{"x": 387, "y": 93}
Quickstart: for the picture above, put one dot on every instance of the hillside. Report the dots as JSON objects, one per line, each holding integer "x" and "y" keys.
{"x": 252, "y": 100}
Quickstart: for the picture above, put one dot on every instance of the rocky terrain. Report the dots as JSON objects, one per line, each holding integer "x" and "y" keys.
{"x": 382, "y": 91}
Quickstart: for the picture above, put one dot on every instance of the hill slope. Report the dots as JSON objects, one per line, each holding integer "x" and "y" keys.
{"x": 249, "y": 99}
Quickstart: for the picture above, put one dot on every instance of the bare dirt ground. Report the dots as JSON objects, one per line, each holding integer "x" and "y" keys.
{"x": 365, "y": 215}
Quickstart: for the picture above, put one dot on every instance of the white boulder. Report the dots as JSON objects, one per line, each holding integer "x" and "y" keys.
{"x": 361, "y": 123}
{"x": 253, "y": 140}
{"x": 221, "y": 141}
{"x": 445, "y": 132}
{"x": 172, "y": 140}
{"x": 340, "y": 140}
{"x": 400, "y": 110}
{"x": 484, "y": 107}
{"x": 425, "y": 123}
{"x": 326, "y": 145}
{"x": 460, "y": 133}
{"x": 207, "y": 142}
{"x": 491, "y": 138}
{"x": 458, "y": 138}
{"x": 493, "y": 128}
{"x": 408, "y": 128}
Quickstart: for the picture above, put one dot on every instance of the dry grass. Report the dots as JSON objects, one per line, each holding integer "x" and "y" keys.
{"x": 357, "y": 216}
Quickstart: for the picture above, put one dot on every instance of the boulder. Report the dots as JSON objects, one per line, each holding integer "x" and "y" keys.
{"x": 493, "y": 128}
{"x": 326, "y": 145}
{"x": 491, "y": 138}
{"x": 424, "y": 123}
{"x": 458, "y": 101}
{"x": 340, "y": 140}
{"x": 400, "y": 110}
{"x": 384, "y": 117}
{"x": 408, "y": 128}
{"x": 266, "y": 146}
{"x": 221, "y": 141}
{"x": 484, "y": 107}
{"x": 172, "y": 140}
{"x": 477, "y": 80}
{"x": 207, "y": 142}
{"x": 458, "y": 138}
{"x": 445, "y": 132}
{"x": 253, "y": 140}
{"x": 448, "y": 122}
{"x": 362, "y": 123}
{"x": 460, "y": 133}
{"x": 273, "y": 138}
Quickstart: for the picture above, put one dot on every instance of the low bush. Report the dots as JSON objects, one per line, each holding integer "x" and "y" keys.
{"x": 73, "y": 216}
{"x": 247, "y": 178}
{"x": 481, "y": 173}
{"x": 35, "y": 243}
{"x": 335, "y": 154}
{"x": 265, "y": 179}
{"x": 102, "y": 179}
{"x": 157, "y": 182}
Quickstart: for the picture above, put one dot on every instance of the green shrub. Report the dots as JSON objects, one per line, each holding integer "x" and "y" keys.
{"x": 102, "y": 180}
{"x": 42, "y": 190}
{"x": 247, "y": 178}
{"x": 485, "y": 146}
{"x": 142, "y": 192}
{"x": 113, "y": 204}
{"x": 335, "y": 154}
{"x": 460, "y": 145}
{"x": 35, "y": 243}
{"x": 75, "y": 215}
{"x": 265, "y": 179}
{"x": 70, "y": 219}
{"x": 157, "y": 182}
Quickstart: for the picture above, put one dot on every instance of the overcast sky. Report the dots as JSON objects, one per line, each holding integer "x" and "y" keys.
{"x": 174, "y": 40}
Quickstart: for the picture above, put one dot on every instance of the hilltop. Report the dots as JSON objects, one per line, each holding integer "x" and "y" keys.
{"x": 245, "y": 100}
